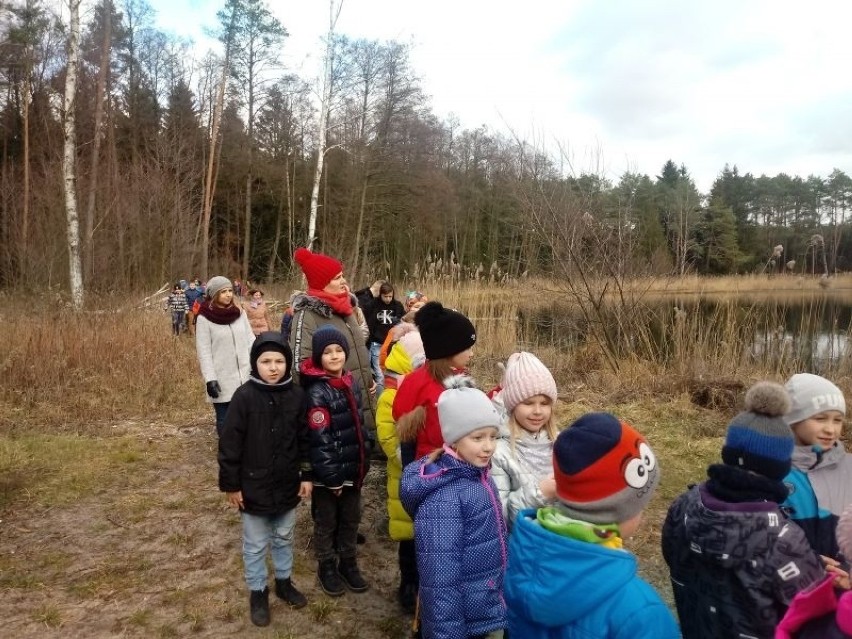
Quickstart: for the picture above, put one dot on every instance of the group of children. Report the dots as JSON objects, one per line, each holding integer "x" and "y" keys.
{"x": 181, "y": 304}
{"x": 508, "y": 525}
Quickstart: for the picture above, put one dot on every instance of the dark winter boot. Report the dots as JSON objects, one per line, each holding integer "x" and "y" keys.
{"x": 259, "y": 603}
{"x": 285, "y": 590}
{"x": 407, "y": 595}
{"x": 351, "y": 575}
{"x": 329, "y": 578}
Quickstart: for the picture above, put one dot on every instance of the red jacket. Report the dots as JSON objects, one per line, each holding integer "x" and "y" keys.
{"x": 421, "y": 389}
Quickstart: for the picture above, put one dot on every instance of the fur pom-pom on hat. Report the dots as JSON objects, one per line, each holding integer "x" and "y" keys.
{"x": 445, "y": 332}
{"x": 758, "y": 439}
{"x": 463, "y": 409}
{"x": 319, "y": 269}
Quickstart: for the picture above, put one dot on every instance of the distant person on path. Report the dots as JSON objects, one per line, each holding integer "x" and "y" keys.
{"x": 414, "y": 302}
{"x": 340, "y": 458}
{"x": 459, "y": 530}
{"x": 328, "y": 301}
{"x": 569, "y": 575}
{"x": 405, "y": 356}
{"x": 257, "y": 312}
{"x": 223, "y": 340}
{"x": 522, "y": 466}
{"x": 820, "y": 480}
{"x": 736, "y": 560}
{"x": 176, "y": 304}
{"x": 448, "y": 339}
{"x": 382, "y": 313}
{"x": 238, "y": 289}
{"x": 265, "y": 469}
{"x": 193, "y": 294}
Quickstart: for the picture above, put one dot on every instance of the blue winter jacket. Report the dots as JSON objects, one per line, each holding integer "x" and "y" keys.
{"x": 460, "y": 537}
{"x": 561, "y": 588}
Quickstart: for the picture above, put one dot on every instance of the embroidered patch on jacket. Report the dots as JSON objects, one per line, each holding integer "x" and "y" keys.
{"x": 319, "y": 418}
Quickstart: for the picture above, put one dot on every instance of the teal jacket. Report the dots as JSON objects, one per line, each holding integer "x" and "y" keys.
{"x": 561, "y": 588}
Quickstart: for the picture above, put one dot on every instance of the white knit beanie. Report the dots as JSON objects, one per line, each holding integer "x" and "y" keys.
{"x": 463, "y": 409}
{"x": 811, "y": 395}
{"x": 526, "y": 377}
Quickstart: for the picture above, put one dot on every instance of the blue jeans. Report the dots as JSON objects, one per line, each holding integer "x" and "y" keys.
{"x": 379, "y": 378}
{"x": 221, "y": 409}
{"x": 261, "y": 531}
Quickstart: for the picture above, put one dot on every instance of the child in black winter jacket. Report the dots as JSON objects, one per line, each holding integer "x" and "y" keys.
{"x": 340, "y": 454}
{"x": 264, "y": 469}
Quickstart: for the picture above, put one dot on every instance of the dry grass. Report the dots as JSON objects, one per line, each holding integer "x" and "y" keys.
{"x": 104, "y": 413}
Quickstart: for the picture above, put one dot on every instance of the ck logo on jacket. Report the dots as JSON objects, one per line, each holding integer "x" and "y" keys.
{"x": 385, "y": 317}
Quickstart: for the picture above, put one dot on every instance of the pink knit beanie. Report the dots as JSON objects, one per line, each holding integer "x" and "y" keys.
{"x": 525, "y": 377}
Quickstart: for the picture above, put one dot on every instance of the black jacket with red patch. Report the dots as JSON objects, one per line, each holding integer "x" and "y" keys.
{"x": 340, "y": 445}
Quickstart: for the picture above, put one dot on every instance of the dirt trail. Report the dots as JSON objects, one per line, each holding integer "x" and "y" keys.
{"x": 156, "y": 553}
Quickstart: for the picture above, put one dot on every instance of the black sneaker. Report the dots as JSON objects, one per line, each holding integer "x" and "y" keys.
{"x": 259, "y": 604}
{"x": 329, "y": 578}
{"x": 285, "y": 590}
{"x": 351, "y": 575}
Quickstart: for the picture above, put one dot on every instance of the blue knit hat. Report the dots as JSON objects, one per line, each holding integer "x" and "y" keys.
{"x": 325, "y": 335}
{"x": 758, "y": 439}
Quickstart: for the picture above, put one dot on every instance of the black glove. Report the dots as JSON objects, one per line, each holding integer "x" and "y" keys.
{"x": 213, "y": 389}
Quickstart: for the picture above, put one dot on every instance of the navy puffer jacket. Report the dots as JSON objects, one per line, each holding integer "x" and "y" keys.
{"x": 340, "y": 445}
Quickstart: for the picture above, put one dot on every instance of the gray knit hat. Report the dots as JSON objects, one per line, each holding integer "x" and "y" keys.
{"x": 216, "y": 284}
{"x": 810, "y": 395}
{"x": 463, "y": 409}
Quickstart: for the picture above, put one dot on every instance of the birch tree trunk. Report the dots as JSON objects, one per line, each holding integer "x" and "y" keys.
{"x": 69, "y": 169}
{"x": 325, "y": 106}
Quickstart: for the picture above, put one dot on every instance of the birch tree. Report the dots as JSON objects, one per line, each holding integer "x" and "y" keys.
{"x": 69, "y": 167}
{"x": 325, "y": 107}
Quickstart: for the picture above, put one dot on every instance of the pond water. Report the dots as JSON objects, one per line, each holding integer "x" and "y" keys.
{"x": 801, "y": 331}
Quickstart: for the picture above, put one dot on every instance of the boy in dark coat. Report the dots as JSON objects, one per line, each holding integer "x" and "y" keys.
{"x": 736, "y": 560}
{"x": 264, "y": 469}
{"x": 340, "y": 459}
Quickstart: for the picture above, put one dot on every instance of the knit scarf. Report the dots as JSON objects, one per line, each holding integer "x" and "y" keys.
{"x": 735, "y": 485}
{"x": 340, "y": 303}
{"x": 606, "y": 535}
{"x": 219, "y": 314}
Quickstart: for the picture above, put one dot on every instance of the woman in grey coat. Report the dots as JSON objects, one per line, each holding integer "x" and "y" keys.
{"x": 223, "y": 339}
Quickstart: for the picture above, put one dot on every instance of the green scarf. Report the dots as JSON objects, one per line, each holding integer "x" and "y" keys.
{"x": 552, "y": 519}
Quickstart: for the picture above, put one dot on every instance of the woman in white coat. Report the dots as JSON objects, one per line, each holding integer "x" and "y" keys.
{"x": 223, "y": 339}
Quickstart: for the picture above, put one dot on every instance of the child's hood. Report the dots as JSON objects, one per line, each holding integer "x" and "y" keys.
{"x": 805, "y": 458}
{"x": 422, "y": 478}
{"x": 543, "y": 566}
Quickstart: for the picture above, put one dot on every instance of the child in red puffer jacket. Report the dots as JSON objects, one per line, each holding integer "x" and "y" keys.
{"x": 448, "y": 339}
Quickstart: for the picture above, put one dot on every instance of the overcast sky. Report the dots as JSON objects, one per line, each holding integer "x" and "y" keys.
{"x": 622, "y": 84}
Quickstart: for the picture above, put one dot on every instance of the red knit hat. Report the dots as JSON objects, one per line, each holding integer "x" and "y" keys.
{"x": 319, "y": 269}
